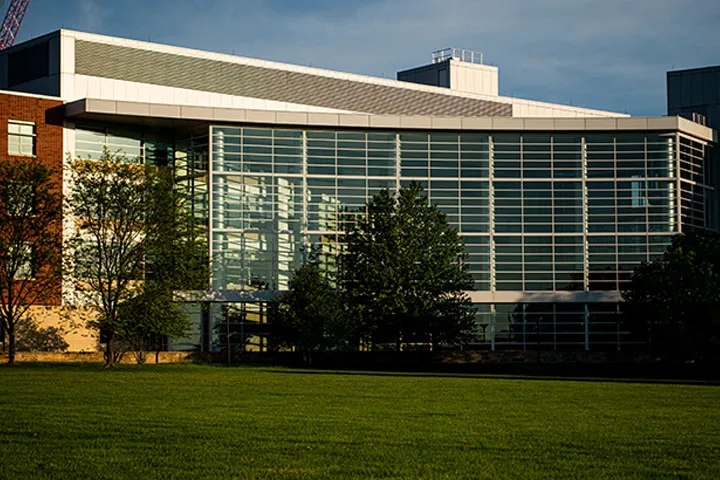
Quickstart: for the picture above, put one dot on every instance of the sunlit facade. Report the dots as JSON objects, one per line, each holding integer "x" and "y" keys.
{"x": 556, "y": 204}
{"x": 561, "y": 215}
{"x": 539, "y": 213}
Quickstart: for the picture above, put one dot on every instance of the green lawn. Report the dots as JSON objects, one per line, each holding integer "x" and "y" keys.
{"x": 187, "y": 421}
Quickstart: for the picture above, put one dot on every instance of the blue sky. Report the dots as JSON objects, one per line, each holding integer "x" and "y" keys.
{"x": 607, "y": 54}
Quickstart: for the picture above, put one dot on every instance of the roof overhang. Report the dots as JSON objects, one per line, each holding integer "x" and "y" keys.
{"x": 164, "y": 115}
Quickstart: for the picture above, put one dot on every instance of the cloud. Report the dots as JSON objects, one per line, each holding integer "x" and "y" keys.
{"x": 91, "y": 16}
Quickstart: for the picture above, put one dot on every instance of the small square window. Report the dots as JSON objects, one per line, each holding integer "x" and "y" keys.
{"x": 21, "y": 138}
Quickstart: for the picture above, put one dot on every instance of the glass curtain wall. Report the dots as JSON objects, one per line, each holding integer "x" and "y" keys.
{"x": 696, "y": 172}
{"x": 548, "y": 326}
{"x": 192, "y": 170}
{"x": 136, "y": 145}
{"x": 538, "y": 213}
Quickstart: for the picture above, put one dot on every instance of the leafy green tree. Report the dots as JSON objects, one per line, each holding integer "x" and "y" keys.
{"x": 674, "y": 301}
{"x": 310, "y": 315}
{"x": 30, "y": 243}
{"x": 176, "y": 259}
{"x": 135, "y": 243}
{"x": 147, "y": 319}
{"x": 404, "y": 272}
{"x": 176, "y": 252}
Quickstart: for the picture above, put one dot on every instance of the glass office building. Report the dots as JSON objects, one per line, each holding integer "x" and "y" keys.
{"x": 556, "y": 221}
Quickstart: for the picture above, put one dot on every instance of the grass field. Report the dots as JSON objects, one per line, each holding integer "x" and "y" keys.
{"x": 79, "y": 421}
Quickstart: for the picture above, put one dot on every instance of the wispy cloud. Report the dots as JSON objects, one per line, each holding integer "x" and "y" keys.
{"x": 92, "y": 15}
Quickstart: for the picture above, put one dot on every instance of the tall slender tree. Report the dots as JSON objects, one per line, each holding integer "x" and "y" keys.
{"x": 176, "y": 259}
{"x": 30, "y": 243}
{"x": 134, "y": 242}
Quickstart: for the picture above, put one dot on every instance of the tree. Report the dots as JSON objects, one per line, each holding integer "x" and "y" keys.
{"x": 310, "y": 314}
{"x": 673, "y": 302}
{"x": 176, "y": 259}
{"x": 30, "y": 242}
{"x": 147, "y": 319}
{"x": 404, "y": 272}
{"x": 135, "y": 243}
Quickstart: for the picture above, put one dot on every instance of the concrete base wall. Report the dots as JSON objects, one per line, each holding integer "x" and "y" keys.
{"x": 97, "y": 357}
{"x": 72, "y": 322}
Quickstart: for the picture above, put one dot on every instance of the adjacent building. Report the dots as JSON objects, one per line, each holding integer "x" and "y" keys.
{"x": 556, "y": 204}
{"x": 695, "y": 94}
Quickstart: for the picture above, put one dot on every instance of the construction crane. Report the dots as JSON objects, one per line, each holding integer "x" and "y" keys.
{"x": 13, "y": 20}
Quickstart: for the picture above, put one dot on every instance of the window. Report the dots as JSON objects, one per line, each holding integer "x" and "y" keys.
{"x": 21, "y": 138}
{"x": 637, "y": 192}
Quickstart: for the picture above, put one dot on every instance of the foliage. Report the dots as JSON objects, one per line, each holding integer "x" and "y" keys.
{"x": 148, "y": 318}
{"x": 134, "y": 235}
{"x": 176, "y": 252}
{"x": 404, "y": 272}
{"x": 176, "y": 259}
{"x": 198, "y": 421}
{"x": 30, "y": 242}
{"x": 310, "y": 314}
{"x": 33, "y": 338}
{"x": 674, "y": 301}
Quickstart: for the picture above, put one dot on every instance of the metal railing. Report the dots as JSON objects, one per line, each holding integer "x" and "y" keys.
{"x": 699, "y": 118}
{"x": 461, "y": 54}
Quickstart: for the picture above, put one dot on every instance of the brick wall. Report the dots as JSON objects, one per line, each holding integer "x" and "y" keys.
{"x": 48, "y": 142}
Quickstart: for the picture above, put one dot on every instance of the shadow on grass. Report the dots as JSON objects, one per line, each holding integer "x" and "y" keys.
{"x": 526, "y": 372}
{"x": 493, "y": 376}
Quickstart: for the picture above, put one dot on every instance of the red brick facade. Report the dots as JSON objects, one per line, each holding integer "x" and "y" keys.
{"x": 46, "y": 115}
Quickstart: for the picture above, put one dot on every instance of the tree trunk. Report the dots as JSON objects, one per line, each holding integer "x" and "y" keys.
{"x": 109, "y": 354}
{"x": 11, "y": 344}
{"x": 140, "y": 357}
{"x": 158, "y": 347}
{"x": 307, "y": 357}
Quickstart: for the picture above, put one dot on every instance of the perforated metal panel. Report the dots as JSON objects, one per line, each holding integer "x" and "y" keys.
{"x": 157, "y": 68}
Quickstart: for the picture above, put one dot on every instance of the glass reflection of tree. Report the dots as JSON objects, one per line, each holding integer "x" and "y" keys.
{"x": 243, "y": 324}
{"x": 516, "y": 325}
{"x": 532, "y": 324}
